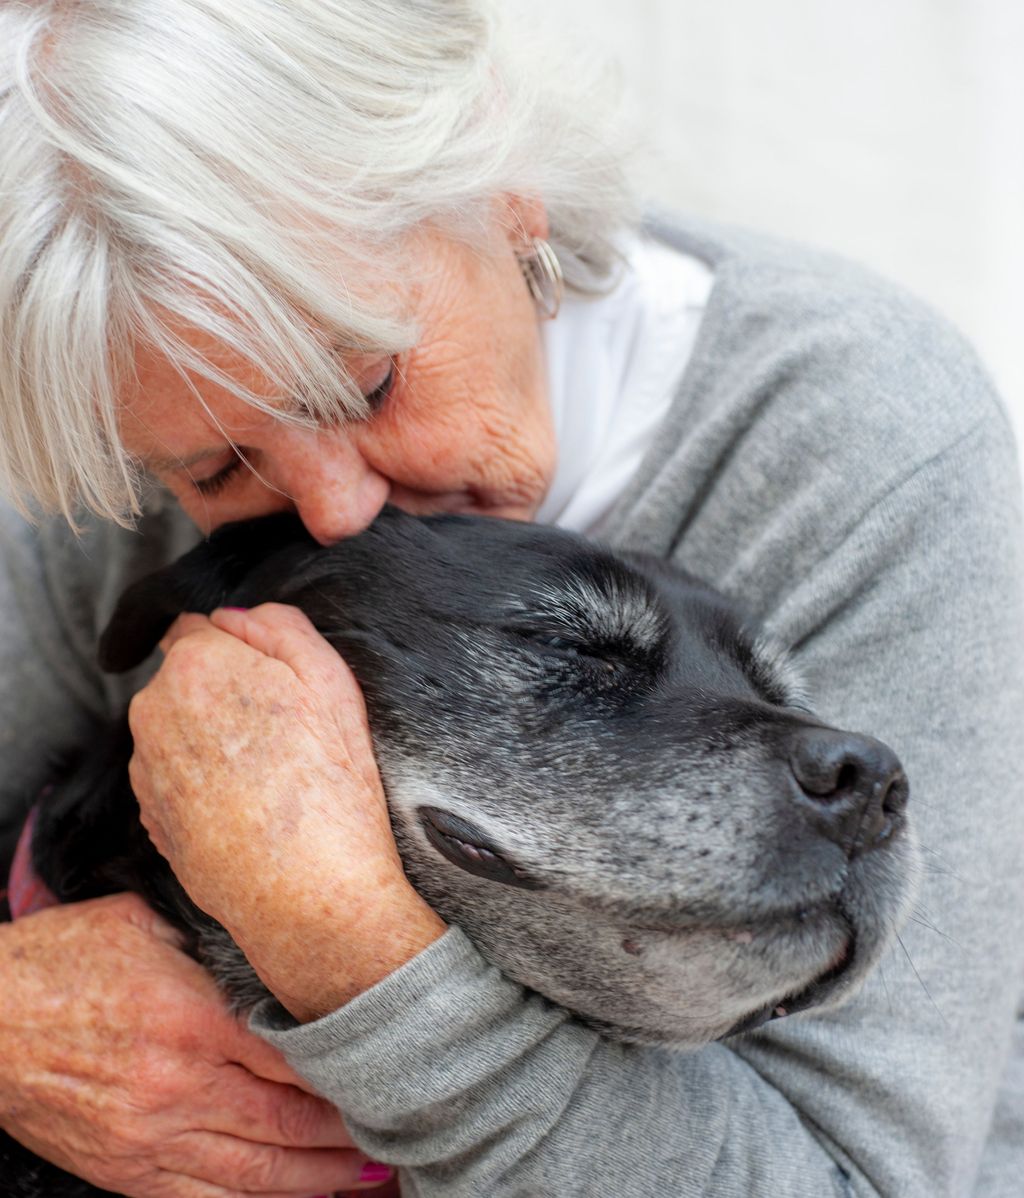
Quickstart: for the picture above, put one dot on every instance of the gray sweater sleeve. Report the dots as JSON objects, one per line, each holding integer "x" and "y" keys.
{"x": 56, "y": 591}
{"x": 49, "y": 698}
{"x": 908, "y": 623}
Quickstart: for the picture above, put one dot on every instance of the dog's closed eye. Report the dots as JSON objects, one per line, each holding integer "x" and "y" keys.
{"x": 606, "y": 657}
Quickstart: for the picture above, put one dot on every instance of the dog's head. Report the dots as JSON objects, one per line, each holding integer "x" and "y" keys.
{"x": 594, "y": 765}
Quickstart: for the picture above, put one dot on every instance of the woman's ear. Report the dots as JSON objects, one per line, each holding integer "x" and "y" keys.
{"x": 525, "y": 217}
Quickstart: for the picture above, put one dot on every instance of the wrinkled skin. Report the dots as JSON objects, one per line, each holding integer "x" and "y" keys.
{"x": 282, "y": 712}
{"x": 219, "y": 1097}
{"x": 464, "y": 426}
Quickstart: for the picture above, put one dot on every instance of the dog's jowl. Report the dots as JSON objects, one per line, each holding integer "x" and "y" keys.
{"x": 594, "y": 766}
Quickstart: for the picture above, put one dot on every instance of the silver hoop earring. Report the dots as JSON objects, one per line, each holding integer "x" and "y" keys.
{"x": 543, "y": 274}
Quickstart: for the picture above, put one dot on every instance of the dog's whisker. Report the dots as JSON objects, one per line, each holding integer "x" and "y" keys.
{"x": 936, "y": 871}
{"x": 932, "y": 928}
{"x": 919, "y": 917}
{"x": 934, "y": 867}
{"x": 924, "y": 987}
{"x": 885, "y": 987}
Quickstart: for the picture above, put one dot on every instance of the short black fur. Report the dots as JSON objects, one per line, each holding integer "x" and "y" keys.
{"x": 506, "y": 644}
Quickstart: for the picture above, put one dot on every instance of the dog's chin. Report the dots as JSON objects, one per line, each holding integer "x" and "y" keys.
{"x": 687, "y": 1026}
{"x": 744, "y": 995}
{"x": 821, "y": 964}
{"x": 841, "y": 976}
{"x": 684, "y": 987}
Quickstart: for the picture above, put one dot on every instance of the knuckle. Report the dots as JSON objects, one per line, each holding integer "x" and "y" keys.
{"x": 279, "y": 611}
{"x": 138, "y": 706}
{"x": 126, "y": 906}
{"x": 120, "y": 1176}
{"x": 130, "y": 1140}
{"x": 137, "y": 773}
{"x": 290, "y": 619}
{"x": 158, "y": 1184}
{"x": 255, "y": 1168}
{"x": 155, "y": 1082}
{"x": 297, "y": 1117}
{"x": 183, "y": 657}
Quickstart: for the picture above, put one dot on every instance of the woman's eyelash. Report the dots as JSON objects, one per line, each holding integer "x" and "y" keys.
{"x": 217, "y": 482}
{"x": 375, "y": 399}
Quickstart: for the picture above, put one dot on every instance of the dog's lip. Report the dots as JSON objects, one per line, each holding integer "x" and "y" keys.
{"x": 756, "y": 929}
{"x": 808, "y": 996}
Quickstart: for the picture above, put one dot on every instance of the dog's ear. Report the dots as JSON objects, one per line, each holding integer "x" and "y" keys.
{"x": 200, "y": 580}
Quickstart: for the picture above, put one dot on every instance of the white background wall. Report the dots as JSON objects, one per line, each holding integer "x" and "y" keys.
{"x": 891, "y": 130}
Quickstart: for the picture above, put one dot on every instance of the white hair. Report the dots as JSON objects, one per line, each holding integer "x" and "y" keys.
{"x": 248, "y": 168}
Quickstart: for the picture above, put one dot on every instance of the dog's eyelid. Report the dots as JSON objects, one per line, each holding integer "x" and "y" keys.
{"x": 544, "y": 629}
{"x": 569, "y": 647}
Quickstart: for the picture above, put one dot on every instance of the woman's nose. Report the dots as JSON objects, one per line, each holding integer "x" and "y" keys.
{"x": 329, "y": 484}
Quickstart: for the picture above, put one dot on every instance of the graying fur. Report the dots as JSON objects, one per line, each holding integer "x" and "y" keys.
{"x": 660, "y": 921}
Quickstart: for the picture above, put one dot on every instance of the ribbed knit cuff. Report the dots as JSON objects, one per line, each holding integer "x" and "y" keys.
{"x": 438, "y": 1031}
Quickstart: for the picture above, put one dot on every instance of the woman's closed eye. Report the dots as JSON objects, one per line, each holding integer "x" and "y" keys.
{"x": 376, "y": 398}
{"x": 375, "y": 394}
{"x": 216, "y": 483}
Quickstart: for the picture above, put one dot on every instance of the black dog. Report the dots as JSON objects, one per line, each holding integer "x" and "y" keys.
{"x": 593, "y": 765}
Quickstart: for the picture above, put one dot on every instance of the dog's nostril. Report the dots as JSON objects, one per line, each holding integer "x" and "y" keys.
{"x": 894, "y": 798}
{"x": 829, "y": 765}
{"x": 855, "y": 785}
{"x": 847, "y": 777}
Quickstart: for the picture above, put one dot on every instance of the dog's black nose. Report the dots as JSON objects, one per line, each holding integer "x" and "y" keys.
{"x": 853, "y": 787}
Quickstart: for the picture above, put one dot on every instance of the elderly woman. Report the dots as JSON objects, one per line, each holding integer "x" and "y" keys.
{"x": 261, "y": 256}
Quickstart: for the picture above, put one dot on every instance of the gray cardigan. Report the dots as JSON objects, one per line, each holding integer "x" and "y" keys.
{"x": 835, "y": 456}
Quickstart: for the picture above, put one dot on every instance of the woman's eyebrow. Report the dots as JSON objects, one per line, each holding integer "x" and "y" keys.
{"x": 182, "y": 463}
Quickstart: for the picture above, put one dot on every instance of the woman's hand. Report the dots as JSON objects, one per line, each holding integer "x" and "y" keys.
{"x": 255, "y": 774}
{"x": 122, "y": 1065}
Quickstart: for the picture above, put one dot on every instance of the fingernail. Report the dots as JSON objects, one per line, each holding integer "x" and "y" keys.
{"x": 373, "y": 1171}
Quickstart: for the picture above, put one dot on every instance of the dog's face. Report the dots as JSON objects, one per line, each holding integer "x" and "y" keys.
{"x": 593, "y": 766}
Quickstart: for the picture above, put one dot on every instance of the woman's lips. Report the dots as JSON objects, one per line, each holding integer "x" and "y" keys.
{"x": 467, "y": 502}
{"x": 431, "y": 503}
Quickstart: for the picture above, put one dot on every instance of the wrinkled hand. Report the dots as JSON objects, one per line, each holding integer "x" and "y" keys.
{"x": 122, "y": 1065}
{"x": 255, "y": 776}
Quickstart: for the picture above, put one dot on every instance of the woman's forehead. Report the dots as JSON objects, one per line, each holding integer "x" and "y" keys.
{"x": 156, "y": 375}
{"x": 175, "y": 428}
{"x": 169, "y": 413}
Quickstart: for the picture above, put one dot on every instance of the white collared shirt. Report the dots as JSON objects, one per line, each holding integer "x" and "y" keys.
{"x": 613, "y": 366}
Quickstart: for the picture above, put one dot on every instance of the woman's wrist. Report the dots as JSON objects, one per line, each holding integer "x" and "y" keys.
{"x": 338, "y": 943}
